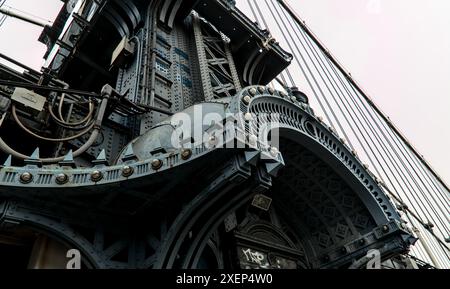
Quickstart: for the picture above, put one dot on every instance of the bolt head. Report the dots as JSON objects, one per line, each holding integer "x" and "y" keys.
{"x": 157, "y": 164}
{"x": 248, "y": 116}
{"x": 362, "y": 242}
{"x": 274, "y": 151}
{"x": 247, "y": 99}
{"x": 253, "y": 139}
{"x": 320, "y": 119}
{"x": 61, "y": 179}
{"x": 96, "y": 176}
{"x": 294, "y": 99}
{"x": 26, "y": 178}
{"x": 385, "y": 228}
{"x": 271, "y": 90}
{"x": 252, "y": 91}
{"x": 127, "y": 171}
{"x": 261, "y": 89}
{"x": 213, "y": 140}
{"x": 283, "y": 94}
{"x": 186, "y": 154}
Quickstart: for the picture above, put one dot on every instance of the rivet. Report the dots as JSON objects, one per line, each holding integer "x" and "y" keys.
{"x": 186, "y": 154}
{"x": 271, "y": 90}
{"x": 247, "y": 99}
{"x": 157, "y": 164}
{"x": 261, "y": 89}
{"x": 61, "y": 179}
{"x": 96, "y": 176}
{"x": 213, "y": 140}
{"x": 320, "y": 119}
{"x": 127, "y": 171}
{"x": 252, "y": 91}
{"x": 248, "y": 116}
{"x": 26, "y": 178}
{"x": 385, "y": 228}
{"x": 274, "y": 151}
{"x": 362, "y": 242}
{"x": 252, "y": 139}
{"x": 294, "y": 99}
{"x": 283, "y": 94}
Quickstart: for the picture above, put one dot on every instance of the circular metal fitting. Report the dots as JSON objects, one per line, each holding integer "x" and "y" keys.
{"x": 247, "y": 99}
{"x": 252, "y": 91}
{"x": 96, "y": 176}
{"x": 271, "y": 90}
{"x": 274, "y": 151}
{"x": 157, "y": 164}
{"x": 261, "y": 89}
{"x": 248, "y": 116}
{"x": 213, "y": 140}
{"x": 127, "y": 171}
{"x": 186, "y": 154}
{"x": 26, "y": 178}
{"x": 61, "y": 179}
{"x": 252, "y": 139}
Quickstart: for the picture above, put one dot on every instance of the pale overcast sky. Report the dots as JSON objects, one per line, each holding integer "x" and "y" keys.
{"x": 399, "y": 50}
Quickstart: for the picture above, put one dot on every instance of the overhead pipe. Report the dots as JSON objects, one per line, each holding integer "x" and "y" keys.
{"x": 8, "y": 11}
